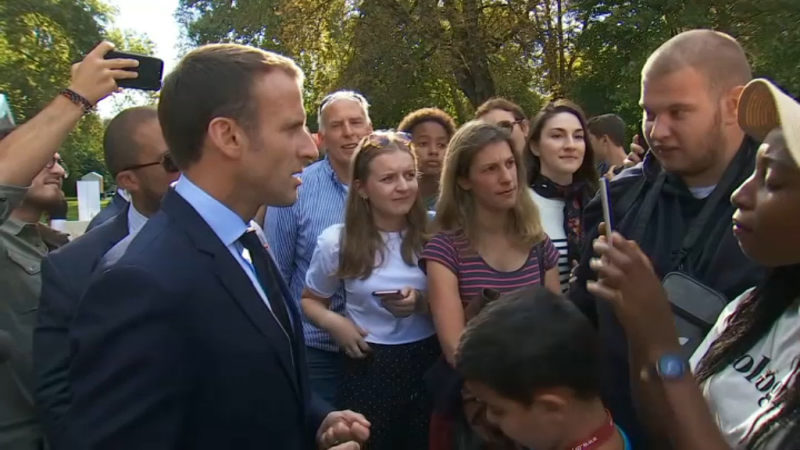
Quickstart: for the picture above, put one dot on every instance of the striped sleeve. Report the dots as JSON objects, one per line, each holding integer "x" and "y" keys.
{"x": 550, "y": 254}
{"x": 442, "y": 250}
{"x": 281, "y": 230}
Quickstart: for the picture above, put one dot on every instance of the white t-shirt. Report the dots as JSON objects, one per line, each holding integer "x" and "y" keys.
{"x": 551, "y": 211}
{"x": 740, "y": 396}
{"x": 363, "y": 308}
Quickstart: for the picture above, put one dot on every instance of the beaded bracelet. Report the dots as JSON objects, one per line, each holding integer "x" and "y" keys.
{"x": 77, "y": 99}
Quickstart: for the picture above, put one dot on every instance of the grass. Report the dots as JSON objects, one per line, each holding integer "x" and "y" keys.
{"x": 72, "y": 203}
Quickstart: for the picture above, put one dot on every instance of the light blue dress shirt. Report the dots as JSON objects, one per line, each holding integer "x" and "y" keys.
{"x": 226, "y": 224}
{"x": 292, "y": 234}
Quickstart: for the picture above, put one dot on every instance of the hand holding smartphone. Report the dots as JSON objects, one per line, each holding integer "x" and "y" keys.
{"x": 605, "y": 199}
{"x": 387, "y": 293}
{"x": 150, "y": 71}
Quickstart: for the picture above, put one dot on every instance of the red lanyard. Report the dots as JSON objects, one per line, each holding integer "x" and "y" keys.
{"x": 599, "y": 437}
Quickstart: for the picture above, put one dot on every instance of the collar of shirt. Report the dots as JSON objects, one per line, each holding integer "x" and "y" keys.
{"x": 124, "y": 194}
{"x": 135, "y": 220}
{"x": 328, "y": 168}
{"x": 15, "y": 227}
{"x": 226, "y": 224}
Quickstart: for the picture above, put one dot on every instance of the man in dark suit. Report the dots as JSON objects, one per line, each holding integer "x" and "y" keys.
{"x": 134, "y": 150}
{"x": 190, "y": 339}
{"x": 115, "y": 206}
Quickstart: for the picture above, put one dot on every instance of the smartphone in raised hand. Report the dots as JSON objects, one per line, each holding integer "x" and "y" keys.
{"x": 605, "y": 199}
{"x": 150, "y": 71}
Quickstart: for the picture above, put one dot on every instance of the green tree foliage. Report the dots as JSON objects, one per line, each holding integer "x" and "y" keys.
{"x": 455, "y": 54}
{"x": 39, "y": 42}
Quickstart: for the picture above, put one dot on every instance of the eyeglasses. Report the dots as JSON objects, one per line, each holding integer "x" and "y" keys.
{"x": 509, "y": 125}
{"x": 382, "y": 139}
{"x": 60, "y": 162}
{"x": 166, "y": 162}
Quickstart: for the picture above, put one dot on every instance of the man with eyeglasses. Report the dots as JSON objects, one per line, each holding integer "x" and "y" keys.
{"x": 292, "y": 231}
{"x": 136, "y": 154}
{"x": 30, "y": 178}
{"x": 507, "y": 115}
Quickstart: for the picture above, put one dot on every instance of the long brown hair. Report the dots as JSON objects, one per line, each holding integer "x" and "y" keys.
{"x": 362, "y": 246}
{"x": 587, "y": 171}
{"x": 455, "y": 209}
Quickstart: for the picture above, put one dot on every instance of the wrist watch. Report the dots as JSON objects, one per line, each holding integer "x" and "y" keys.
{"x": 671, "y": 367}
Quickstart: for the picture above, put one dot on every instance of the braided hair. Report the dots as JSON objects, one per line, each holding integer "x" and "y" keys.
{"x": 753, "y": 319}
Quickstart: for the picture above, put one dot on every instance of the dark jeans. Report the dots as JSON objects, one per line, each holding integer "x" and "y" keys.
{"x": 325, "y": 373}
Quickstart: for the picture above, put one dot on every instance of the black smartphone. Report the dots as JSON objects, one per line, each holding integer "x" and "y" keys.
{"x": 386, "y": 293}
{"x": 150, "y": 71}
{"x": 642, "y": 141}
{"x": 7, "y": 123}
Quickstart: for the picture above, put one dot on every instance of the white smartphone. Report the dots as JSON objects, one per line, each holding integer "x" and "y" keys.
{"x": 605, "y": 198}
{"x": 6, "y": 118}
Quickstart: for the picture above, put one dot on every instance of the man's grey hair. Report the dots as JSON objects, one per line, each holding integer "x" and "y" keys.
{"x": 341, "y": 95}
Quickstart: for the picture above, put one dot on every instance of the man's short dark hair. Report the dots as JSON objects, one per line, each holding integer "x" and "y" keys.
{"x": 610, "y": 125}
{"x": 501, "y": 104}
{"x": 213, "y": 81}
{"x": 119, "y": 146}
{"x": 529, "y": 340}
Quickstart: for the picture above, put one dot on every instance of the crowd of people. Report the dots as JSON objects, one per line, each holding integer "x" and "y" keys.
{"x": 431, "y": 286}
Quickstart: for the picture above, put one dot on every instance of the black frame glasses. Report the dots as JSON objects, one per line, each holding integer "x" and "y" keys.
{"x": 60, "y": 162}
{"x": 166, "y": 162}
{"x": 509, "y": 125}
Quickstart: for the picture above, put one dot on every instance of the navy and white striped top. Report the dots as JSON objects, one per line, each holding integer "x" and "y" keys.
{"x": 292, "y": 234}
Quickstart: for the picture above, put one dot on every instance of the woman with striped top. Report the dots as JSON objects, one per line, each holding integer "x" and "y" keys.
{"x": 489, "y": 236}
{"x": 562, "y": 177}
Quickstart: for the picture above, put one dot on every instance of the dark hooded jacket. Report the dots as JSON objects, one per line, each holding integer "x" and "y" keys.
{"x": 715, "y": 259}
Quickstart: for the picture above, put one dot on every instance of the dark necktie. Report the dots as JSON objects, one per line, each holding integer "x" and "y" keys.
{"x": 266, "y": 274}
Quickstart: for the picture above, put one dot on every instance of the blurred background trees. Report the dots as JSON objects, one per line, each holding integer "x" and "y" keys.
{"x": 407, "y": 54}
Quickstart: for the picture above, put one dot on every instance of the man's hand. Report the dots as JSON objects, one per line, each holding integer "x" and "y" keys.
{"x": 95, "y": 78}
{"x": 341, "y": 429}
{"x": 637, "y": 153}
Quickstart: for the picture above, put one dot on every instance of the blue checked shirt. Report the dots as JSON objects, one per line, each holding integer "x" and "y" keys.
{"x": 292, "y": 236}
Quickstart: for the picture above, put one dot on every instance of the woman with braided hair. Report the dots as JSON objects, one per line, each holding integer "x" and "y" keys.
{"x": 745, "y": 393}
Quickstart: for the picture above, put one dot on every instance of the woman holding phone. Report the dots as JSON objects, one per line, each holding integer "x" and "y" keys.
{"x": 388, "y": 336}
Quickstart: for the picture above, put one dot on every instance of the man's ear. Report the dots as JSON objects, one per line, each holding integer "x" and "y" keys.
{"x": 525, "y": 126}
{"x": 228, "y": 137}
{"x": 128, "y": 181}
{"x": 730, "y": 106}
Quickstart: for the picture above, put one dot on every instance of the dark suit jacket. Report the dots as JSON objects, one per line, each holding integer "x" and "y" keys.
{"x": 65, "y": 276}
{"x": 174, "y": 349}
{"x": 114, "y": 207}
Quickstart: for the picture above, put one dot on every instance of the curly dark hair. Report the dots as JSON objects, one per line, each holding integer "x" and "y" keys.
{"x": 423, "y": 115}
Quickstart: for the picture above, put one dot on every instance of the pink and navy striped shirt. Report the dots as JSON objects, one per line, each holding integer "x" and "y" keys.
{"x": 474, "y": 274}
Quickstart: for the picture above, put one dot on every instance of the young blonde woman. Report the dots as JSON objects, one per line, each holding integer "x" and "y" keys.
{"x": 387, "y": 334}
{"x": 489, "y": 236}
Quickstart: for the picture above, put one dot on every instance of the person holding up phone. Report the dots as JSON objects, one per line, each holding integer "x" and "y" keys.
{"x": 31, "y": 173}
{"x": 388, "y": 336}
